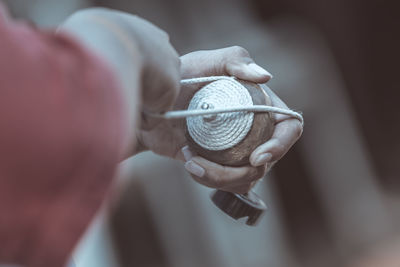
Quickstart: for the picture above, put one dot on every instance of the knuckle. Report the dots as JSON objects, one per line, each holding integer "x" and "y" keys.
{"x": 281, "y": 150}
{"x": 164, "y": 34}
{"x": 164, "y": 99}
{"x": 219, "y": 178}
{"x": 222, "y": 66}
{"x": 216, "y": 181}
{"x": 240, "y": 51}
{"x": 278, "y": 147}
{"x": 213, "y": 179}
{"x": 156, "y": 30}
{"x": 297, "y": 129}
{"x": 225, "y": 172}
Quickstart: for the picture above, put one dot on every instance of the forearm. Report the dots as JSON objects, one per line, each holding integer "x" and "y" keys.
{"x": 63, "y": 130}
{"x": 101, "y": 33}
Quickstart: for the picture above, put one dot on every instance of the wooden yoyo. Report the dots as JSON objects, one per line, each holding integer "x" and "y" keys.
{"x": 228, "y": 138}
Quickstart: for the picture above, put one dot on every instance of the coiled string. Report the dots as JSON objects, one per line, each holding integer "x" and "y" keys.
{"x": 220, "y": 114}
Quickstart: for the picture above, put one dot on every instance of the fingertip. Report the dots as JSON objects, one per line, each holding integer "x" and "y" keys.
{"x": 261, "y": 159}
{"x": 194, "y": 168}
{"x": 187, "y": 153}
{"x": 209, "y": 167}
{"x": 268, "y": 147}
{"x": 261, "y": 74}
{"x": 248, "y": 71}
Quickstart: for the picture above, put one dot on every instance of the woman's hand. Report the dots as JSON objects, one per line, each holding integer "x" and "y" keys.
{"x": 160, "y": 75}
{"x": 168, "y": 138}
{"x": 144, "y": 62}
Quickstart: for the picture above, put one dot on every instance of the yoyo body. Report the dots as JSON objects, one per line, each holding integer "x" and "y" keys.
{"x": 230, "y": 138}
{"x": 237, "y": 152}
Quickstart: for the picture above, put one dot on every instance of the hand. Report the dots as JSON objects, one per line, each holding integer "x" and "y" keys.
{"x": 232, "y": 61}
{"x": 160, "y": 74}
{"x": 145, "y": 64}
{"x": 168, "y": 137}
{"x": 237, "y": 62}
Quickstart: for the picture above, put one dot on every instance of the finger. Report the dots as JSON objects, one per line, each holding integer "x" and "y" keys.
{"x": 218, "y": 176}
{"x": 161, "y": 88}
{"x": 237, "y": 62}
{"x": 286, "y": 133}
{"x": 233, "y": 61}
{"x": 159, "y": 95}
{"x": 241, "y": 187}
{"x": 248, "y": 72}
{"x": 185, "y": 153}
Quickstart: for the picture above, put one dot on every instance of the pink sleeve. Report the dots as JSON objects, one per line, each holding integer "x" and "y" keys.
{"x": 61, "y": 136}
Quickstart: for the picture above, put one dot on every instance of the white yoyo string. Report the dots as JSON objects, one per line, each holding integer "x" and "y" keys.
{"x": 224, "y": 130}
{"x": 221, "y": 114}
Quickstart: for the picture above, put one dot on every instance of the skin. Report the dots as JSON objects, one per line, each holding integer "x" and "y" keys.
{"x": 168, "y": 137}
{"x": 144, "y": 62}
{"x": 260, "y": 131}
{"x": 149, "y": 69}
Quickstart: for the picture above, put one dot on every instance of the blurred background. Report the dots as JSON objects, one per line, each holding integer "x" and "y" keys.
{"x": 334, "y": 200}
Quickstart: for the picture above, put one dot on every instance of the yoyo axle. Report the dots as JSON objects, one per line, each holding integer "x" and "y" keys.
{"x": 240, "y": 205}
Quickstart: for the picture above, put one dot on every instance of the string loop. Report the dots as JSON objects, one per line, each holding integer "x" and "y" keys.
{"x": 221, "y": 113}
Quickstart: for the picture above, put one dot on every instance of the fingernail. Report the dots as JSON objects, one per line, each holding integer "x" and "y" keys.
{"x": 187, "y": 154}
{"x": 194, "y": 168}
{"x": 262, "y": 159}
{"x": 259, "y": 70}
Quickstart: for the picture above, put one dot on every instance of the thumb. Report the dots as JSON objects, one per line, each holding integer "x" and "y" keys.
{"x": 233, "y": 61}
{"x": 238, "y": 63}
